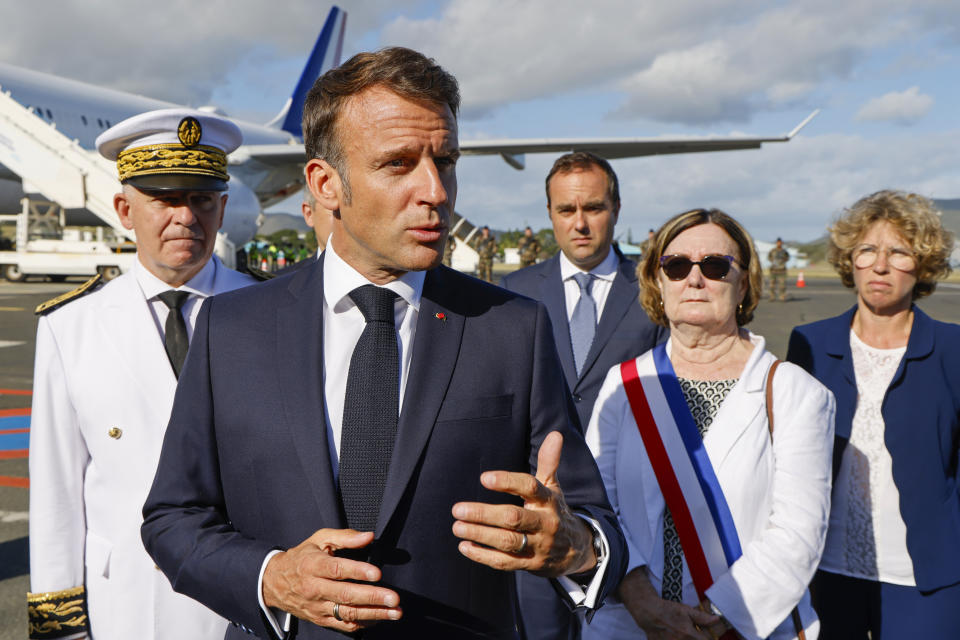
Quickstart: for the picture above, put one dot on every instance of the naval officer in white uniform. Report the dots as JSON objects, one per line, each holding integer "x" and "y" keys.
{"x": 106, "y": 370}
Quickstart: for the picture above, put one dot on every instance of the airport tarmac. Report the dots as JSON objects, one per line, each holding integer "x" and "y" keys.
{"x": 821, "y": 298}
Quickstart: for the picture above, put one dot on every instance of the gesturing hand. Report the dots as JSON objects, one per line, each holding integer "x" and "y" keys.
{"x": 311, "y": 583}
{"x": 543, "y": 536}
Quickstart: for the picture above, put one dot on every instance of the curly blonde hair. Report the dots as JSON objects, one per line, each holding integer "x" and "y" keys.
{"x": 917, "y": 220}
{"x": 748, "y": 260}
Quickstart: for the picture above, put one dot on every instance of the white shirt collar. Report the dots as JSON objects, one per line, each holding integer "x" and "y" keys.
{"x": 339, "y": 279}
{"x": 200, "y": 284}
{"x": 606, "y": 270}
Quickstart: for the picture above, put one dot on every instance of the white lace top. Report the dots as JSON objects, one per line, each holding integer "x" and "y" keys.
{"x": 867, "y": 537}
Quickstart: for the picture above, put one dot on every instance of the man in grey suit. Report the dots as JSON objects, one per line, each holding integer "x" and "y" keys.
{"x": 591, "y": 294}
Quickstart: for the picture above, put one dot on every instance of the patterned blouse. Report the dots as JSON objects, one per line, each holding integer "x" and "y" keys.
{"x": 704, "y": 398}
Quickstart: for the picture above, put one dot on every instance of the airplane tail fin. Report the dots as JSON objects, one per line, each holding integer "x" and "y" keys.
{"x": 325, "y": 56}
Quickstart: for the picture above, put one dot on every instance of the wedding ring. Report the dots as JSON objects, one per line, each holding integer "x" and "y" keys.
{"x": 336, "y": 611}
{"x": 523, "y": 544}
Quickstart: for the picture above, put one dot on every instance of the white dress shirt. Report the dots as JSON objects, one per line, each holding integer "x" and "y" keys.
{"x": 603, "y": 276}
{"x": 199, "y": 286}
{"x": 342, "y": 325}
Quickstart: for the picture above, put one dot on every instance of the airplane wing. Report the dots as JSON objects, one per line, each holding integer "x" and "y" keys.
{"x": 513, "y": 150}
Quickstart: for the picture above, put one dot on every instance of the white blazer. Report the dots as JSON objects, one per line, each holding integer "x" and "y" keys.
{"x": 779, "y": 496}
{"x": 101, "y": 366}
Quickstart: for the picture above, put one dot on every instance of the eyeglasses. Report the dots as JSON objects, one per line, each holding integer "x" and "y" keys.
{"x": 678, "y": 267}
{"x": 865, "y": 256}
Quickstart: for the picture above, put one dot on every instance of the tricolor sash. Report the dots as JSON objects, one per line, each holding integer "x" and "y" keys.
{"x": 687, "y": 481}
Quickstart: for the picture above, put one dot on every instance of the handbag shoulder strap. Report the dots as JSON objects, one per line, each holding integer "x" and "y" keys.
{"x": 769, "y": 394}
{"x": 795, "y": 614}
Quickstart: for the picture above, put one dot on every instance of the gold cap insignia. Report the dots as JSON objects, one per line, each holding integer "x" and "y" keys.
{"x": 189, "y": 131}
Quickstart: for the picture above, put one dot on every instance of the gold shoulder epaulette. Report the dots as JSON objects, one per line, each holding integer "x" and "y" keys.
{"x": 87, "y": 287}
{"x": 57, "y": 614}
{"x": 262, "y": 276}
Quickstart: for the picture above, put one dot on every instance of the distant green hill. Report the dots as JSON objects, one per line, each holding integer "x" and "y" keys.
{"x": 816, "y": 250}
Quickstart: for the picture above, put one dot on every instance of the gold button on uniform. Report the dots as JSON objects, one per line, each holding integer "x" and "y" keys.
{"x": 115, "y": 433}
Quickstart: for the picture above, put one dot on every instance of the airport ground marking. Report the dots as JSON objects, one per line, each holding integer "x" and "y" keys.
{"x": 17, "y": 483}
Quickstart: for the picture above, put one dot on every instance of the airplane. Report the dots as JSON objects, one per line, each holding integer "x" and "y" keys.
{"x": 268, "y": 167}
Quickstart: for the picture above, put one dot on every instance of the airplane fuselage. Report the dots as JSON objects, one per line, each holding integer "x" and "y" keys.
{"x": 83, "y": 111}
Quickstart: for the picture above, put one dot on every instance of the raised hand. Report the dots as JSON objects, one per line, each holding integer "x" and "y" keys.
{"x": 543, "y": 536}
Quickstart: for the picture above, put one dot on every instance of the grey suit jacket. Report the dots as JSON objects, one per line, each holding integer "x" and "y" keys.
{"x": 623, "y": 332}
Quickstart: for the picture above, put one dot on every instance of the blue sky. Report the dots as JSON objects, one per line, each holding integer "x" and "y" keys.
{"x": 883, "y": 71}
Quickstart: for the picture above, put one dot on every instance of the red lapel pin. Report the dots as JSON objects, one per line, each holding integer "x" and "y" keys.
{"x": 440, "y": 316}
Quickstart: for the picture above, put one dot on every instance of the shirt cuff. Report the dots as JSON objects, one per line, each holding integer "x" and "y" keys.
{"x": 278, "y": 619}
{"x": 584, "y": 596}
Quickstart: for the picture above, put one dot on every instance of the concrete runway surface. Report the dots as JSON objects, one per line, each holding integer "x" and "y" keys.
{"x": 774, "y": 320}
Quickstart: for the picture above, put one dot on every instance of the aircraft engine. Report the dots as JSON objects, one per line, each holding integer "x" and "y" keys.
{"x": 240, "y": 217}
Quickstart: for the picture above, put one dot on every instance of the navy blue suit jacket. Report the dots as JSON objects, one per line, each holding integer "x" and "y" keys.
{"x": 921, "y": 411}
{"x": 624, "y": 330}
{"x": 245, "y": 463}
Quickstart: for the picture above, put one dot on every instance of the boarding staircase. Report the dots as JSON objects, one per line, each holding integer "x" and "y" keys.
{"x": 465, "y": 257}
{"x": 55, "y": 166}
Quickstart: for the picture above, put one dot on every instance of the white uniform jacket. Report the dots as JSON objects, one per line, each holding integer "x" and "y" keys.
{"x": 779, "y": 496}
{"x": 102, "y": 394}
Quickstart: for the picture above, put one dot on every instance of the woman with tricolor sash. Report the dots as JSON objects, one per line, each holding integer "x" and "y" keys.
{"x": 724, "y": 511}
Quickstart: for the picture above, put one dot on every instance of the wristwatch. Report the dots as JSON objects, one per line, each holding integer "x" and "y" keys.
{"x": 599, "y": 549}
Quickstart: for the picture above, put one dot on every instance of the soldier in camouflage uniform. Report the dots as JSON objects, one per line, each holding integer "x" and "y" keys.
{"x": 486, "y": 247}
{"x": 529, "y": 248}
{"x": 778, "y": 258}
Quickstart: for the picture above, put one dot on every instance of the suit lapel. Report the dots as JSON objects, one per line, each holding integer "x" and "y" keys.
{"x": 130, "y": 329}
{"x": 838, "y": 345}
{"x": 742, "y": 407}
{"x": 554, "y": 299}
{"x": 622, "y": 293}
{"x": 299, "y": 358}
{"x": 435, "y": 351}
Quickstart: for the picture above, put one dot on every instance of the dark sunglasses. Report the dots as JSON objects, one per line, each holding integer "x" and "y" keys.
{"x": 712, "y": 267}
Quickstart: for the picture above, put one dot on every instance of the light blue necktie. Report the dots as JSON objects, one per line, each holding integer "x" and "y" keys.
{"x": 583, "y": 323}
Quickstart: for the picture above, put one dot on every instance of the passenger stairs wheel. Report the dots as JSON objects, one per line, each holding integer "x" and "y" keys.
{"x": 109, "y": 273}
{"x": 12, "y": 273}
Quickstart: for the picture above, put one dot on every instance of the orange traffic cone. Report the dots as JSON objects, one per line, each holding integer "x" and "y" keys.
{"x": 801, "y": 283}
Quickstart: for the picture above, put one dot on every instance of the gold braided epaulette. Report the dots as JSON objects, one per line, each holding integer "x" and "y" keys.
{"x": 57, "y": 614}
{"x": 90, "y": 285}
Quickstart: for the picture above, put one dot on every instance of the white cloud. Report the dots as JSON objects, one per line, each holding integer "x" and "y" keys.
{"x": 682, "y": 62}
{"x": 903, "y": 107}
{"x": 176, "y": 50}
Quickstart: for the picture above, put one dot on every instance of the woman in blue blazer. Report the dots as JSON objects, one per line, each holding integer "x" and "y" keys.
{"x": 891, "y": 565}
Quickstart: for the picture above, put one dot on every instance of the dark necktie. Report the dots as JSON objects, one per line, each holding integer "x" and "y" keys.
{"x": 583, "y": 322}
{"x": 175, "y": 330}
{"x": 370, "y": 409}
